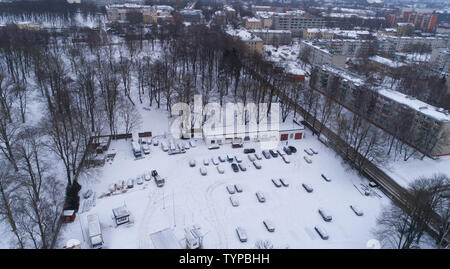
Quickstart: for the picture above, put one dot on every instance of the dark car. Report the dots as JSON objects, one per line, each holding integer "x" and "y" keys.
{"x": 287, "y": 150}
{"x": 246, "y": 151}
{"x": 293, "y": 149}
{"x": 235, "y": 167}
{"x": 273, "y": 153}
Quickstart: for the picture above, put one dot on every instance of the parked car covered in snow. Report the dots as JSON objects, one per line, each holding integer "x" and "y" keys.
{"x": 214, "y": 160}
{"x": 146, "y": 149}
{"x": 139, "y": 181}
{"x": 266, "y": 154}
{"x": 230, "y": 189}
{"x": 276, "y": 182}
{"x": 214, "y": 147}
{"x": 327, "y": 179}
{"x": 234, "y": 201}
{"x": 321, "y": 231}
{"x": 192, "y": 143}
{"x": 238, "y": 187}
{"x": 238, "y": 159}
{"x": 222, "y": 159}
{"x": 308, "y": 152}
{"x": 205, "y": 161}
{"x": 280, "y": 152}
{"x": 308, "y": 160}
{"x": 130, "y": 183}
{"x": 251, "y": 157}
{"x": 313, "y": 151}
{"x": 357, "y": 210}
{"x": 307, "y": 187}
{"x": 192, "y": 163}
{"x": 285, "y": 159}
{"x": 257, "y": 164}
{"x": 273, "y": 153}
{"x": 220, "y": 169}
{"x": 269, "y": 225}
{"x": 284, "y": 182}
{"x": 203, "y": 171}
{"x": 326, "y": 217}
{"x": 242, "y": 167}
{"x": 258, "y": 156}
{"x": 147, "y": 176}
{"x": 260, "y": 197}
{"x": 164, "y": 146}
{"x": 242, "y": 235}
{"x": 155, "y": 142}
{"x": 186, "y": 145}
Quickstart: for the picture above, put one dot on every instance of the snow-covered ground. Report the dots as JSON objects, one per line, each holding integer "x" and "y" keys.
{"x": 405, "y": 173}
{"x": 189, "y": 198}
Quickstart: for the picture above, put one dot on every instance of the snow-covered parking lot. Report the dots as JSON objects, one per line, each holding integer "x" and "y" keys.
{"x": 189, "y": 198}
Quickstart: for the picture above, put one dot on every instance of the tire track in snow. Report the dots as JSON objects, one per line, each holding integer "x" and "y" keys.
{"x": 218, "y": 223}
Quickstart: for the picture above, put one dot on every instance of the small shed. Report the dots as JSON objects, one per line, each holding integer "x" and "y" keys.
{"x": 121, "y": 215}
{"x": 68, "y": 216}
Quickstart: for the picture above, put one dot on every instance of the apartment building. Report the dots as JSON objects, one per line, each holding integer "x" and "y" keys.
{"x": 252, "y": 23}
{"x": 274, "y": 37}
{"x": 296, "y": 21}
{"x": 440, "y": 59}
{"x": 252, "y": 42}
{"x": 423, "y": 21}
{"x": 335, "y": 33}
{"x": 429, "y": 126}
{"x": 401, "y": 43}
{"x": 337, "y": 51}
{"x": 120, "y": 12}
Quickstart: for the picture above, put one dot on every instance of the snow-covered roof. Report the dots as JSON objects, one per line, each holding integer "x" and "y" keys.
{"x": 121, "y": 212}
{"x": 413, "y": 103}
{"x": 386, "y": 61}
{"x": 417, "y": 105}
{"x": 243, "y": 35}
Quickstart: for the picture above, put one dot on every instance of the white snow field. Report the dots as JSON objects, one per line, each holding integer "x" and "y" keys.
{"x": 189, "y": 198}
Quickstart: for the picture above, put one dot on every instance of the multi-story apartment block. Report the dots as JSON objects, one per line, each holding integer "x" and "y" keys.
{"x": 274, "y": 37}
{"x": 440, "y": 59}
{"x": 252, "y": 42}
{"x": 120, "y": 12}
{"x": 423, "y": 21}
{"x": 296, "y": 21}
{"x": 252, "y": 23}
{"x": 335, "y": 33}
{"x": 427, "y": 129}
{"x": 401, "y": 43}
{"x": 336, "y": 51}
